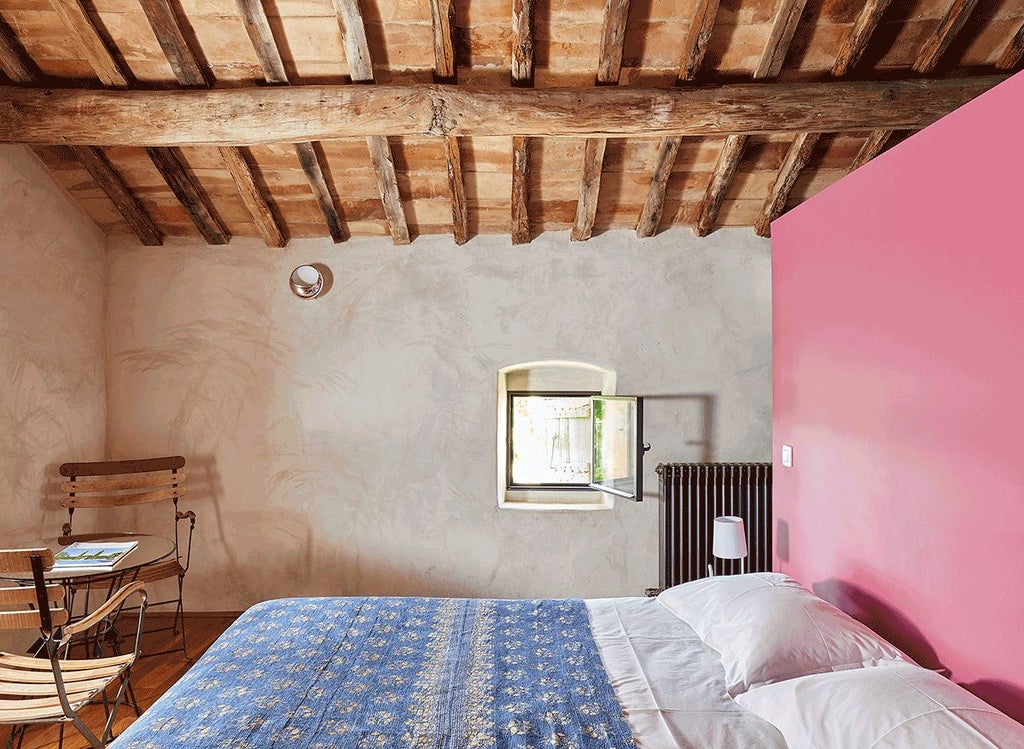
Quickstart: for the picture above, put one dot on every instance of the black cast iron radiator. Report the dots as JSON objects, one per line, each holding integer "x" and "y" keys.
{"x": 692, "y": 495}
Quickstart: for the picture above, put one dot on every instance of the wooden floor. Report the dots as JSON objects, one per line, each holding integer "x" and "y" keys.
{"x": 152, "y": 677}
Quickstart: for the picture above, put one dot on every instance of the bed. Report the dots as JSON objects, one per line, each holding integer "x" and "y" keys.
{"x": 665, "y": 673}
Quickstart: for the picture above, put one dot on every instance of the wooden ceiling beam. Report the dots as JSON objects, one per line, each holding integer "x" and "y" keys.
{"x": 520, "y": 190}
{"x": 262, "y": 37}
{"x": 171, "y": 165}
{"x": 289, "y": 114}
{"x": 14, "y": 63}
{"x": 167, "y": 27}
{"x": 138, "y": 219}
{"x": 784, "y": 24}
{"x": 1013, "y": 55}
{"x": 442, "y": 13}
{"x": 725, "y": 169}
{"x": 237, "y": 162}
{"x": 522, "y": 42}
{"x": 82, "y": 27}
{"x": 313, "y": 168}
{"x": 654, "y": 206}
{"x": 796, "y": 159}
{"x": 609, "y": 66}
{"x": 873, "y": 146}
{"x": 855, "y": 44}
{"x": 191, "y": 72}
{"x": 948, "y": 28}
{"x": 457, "y": 187}
{"x": 697, "y": 37}
{"x": 360, "y": 66}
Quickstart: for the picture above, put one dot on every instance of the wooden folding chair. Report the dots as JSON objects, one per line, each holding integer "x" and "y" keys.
{"x": 126, "y": 483}
{"x": 50, "y": 688}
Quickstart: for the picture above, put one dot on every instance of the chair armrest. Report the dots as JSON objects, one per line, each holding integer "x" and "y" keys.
{"x": 112, "y": 604}
{"x": 178, "y": 517}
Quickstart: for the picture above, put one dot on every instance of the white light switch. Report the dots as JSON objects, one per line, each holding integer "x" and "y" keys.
{"x": 787, "y": 456}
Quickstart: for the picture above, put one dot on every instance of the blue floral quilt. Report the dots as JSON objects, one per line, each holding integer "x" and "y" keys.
{"x": 423, "y": 673}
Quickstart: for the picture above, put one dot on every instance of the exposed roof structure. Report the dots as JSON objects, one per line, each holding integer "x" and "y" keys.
{"x": 296, "y": 118}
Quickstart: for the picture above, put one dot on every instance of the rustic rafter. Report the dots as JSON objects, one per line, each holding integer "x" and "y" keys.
{"x": 442, "y": 13}
{"x": 313, "y": 168}
{"x": 289, "y": 114}
{"x": 787, "y": 18}
{"x": 254, "y": 16}
{"x": 14, "y": 63}
{"x": 873, "y": 146}
{"x": 171, "y": 164}
{"x": 110, "y": 70}
{"x": 609, "y": 65}
{"x": 1013, "y": 55}
{"x": 948, "y": 28}
{"x": 855, "y": 44}
{"x": 697, "y": 37}
{"x": 190, "y": 72}
{"x": 796, "y": 159}
{"x": 654, "y": 206}
{"x": 520, "y": 190}
{"x": 725, "y": 169}
{"x": 138, "y": 219}
{"x": 522, "y": 42}
{"x": 457, "y": 187}
{"x": 353, "y": 34}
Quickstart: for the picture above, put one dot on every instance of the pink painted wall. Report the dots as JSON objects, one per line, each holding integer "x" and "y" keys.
{"x": 898, "y": 302}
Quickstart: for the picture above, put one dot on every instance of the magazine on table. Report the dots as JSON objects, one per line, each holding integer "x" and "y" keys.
{"x": 84, "y": 555}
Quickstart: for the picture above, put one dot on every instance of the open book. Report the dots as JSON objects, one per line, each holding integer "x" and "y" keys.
{"x": 97, "y": 556}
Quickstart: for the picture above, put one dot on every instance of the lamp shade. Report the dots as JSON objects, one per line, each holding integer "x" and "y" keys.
{"x": 730, "y": 539}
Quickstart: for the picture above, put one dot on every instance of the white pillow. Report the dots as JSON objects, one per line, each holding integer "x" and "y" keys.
{"x": 875, "y": 708}
{"x": 767, "y": 628}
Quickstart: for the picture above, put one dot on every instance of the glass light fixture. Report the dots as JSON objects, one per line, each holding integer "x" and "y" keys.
{"x": 306, "y": 281}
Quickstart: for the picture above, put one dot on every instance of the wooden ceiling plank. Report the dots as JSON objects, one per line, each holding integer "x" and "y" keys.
{"x": 1013, "y": 55}
{"x": 654, "y": 206}
{"x": 258, "y": 206}
{"x": 14, "y": 63}
{"x": 609, "y": 65}
{"x": 784, "y": 25}
{"x": 873, "y": 146}
{"x": 457, "y": 186}
{"x": 796, "y": 159}
{"x": 860, "y": 35}
{"x": 387, "y": 183}
{"x": 522, "y": 42}
{"x": 725, "y": 169}
{"x": 520, "y": 190}
{"x": 276, "y": 114}
{"x": 697, "y": 37}
{"x": 180, "y": 56}
{"x": 590, "y": 189}
{"x": 315, "y": 175}
{"x": 262, "y": 37}
{"x": 353, "y": 32}
{"x": 79, "y": 23}
{"x": 141, "y": 223}
{"x": 613, "y": 36}
{"x": 171, "y": 165}
{"x": 442, "y": 13}
{"x": 948, "y": 28}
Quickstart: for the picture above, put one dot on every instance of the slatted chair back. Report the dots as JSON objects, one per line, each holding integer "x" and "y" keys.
{"x": 30, "y": 607}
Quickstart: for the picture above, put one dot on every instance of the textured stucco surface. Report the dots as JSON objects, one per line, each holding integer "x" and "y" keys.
{"x": 52, "y": 391}
{"x": 345, "y": 445}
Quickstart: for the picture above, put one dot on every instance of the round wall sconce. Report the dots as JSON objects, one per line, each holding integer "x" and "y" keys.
{"x": 306, "y": 281}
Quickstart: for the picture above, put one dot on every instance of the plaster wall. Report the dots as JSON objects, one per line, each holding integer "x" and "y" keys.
{"x": 52, "y": 389}
{"x": 346, "y": 445}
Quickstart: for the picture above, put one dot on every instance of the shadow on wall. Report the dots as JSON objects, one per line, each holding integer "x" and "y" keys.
{"x": 883, "y": 619}
{"x": 1006, "y": 697}
{"x": 704, "y": 440}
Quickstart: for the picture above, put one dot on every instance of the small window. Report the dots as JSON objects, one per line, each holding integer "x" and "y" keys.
{"x": 549, "y": 445}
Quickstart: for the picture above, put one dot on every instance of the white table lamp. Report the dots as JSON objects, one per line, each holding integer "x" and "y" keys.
{"x": 730, "y": 539}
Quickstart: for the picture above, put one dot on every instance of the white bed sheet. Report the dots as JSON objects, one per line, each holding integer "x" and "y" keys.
{"x": 670, "y": 684}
